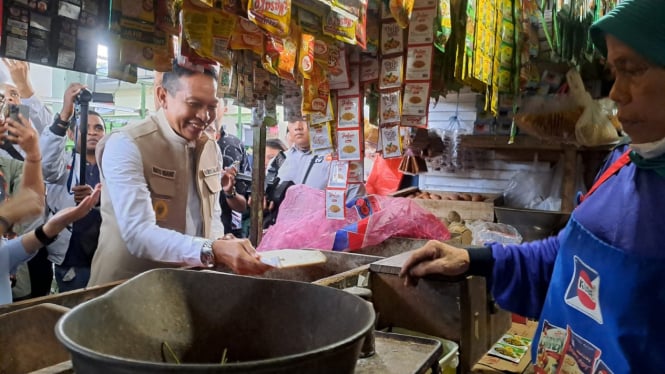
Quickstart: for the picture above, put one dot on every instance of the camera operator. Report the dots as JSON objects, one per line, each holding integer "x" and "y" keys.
{"x": 73, "y": 251}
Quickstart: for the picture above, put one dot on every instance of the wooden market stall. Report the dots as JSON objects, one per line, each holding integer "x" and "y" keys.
{"x": 344, "y": 65}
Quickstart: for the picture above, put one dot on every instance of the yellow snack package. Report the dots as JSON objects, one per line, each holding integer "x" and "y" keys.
{"x": 306, "y": 55}
{"x": 137, "y": 41}
{"x": 208, "y": 31}
{"x": 274, "y": 16}
{"x": 401, "y": 10}
{"x": 316, "y": 92}
{"x": 280, "y": 55}
{"x": 340, "y": 27}
{"x": 247, "y": 36}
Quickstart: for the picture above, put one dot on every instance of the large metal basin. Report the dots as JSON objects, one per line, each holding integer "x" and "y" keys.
{"x": 28, "y": 340}
{"x": 266, "y": 326}
{"x": 532, "y": 224}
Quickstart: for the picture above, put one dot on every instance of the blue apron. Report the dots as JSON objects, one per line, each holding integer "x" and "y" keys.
{"x": 604, "y": 311}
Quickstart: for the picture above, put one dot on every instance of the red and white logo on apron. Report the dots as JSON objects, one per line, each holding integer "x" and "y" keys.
{"x": 583, "y": 291}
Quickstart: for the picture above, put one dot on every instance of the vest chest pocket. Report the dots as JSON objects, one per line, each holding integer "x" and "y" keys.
{"x": 214, "y": 182}
{"x": 161, "y": 187}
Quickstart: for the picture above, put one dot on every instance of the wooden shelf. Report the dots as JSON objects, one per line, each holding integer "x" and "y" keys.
{"x": 529, "y": 143}
{"x": 522, "y": 142}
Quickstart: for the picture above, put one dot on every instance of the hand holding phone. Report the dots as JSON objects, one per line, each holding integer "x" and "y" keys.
{"x": 13, "y": 113}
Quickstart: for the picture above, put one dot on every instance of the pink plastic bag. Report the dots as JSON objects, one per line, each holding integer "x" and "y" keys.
{"x": 302, "y": 223}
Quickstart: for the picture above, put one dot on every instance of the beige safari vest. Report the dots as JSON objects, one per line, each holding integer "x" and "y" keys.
{"x": 165, "y": 171}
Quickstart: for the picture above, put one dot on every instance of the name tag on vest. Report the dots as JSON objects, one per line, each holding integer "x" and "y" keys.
{"x": 164, "y": 173}
{"x": 211, "y": 171}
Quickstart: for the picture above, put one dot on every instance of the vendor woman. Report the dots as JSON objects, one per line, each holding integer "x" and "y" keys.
{"x": 597, "y": 288}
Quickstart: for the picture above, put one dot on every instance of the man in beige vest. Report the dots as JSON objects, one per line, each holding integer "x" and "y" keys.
{"x": 162, "y": 179}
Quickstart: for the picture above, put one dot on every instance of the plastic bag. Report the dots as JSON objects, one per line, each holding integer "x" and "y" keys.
{"x": 302, "y": 223}
{"x": 594, "y": 126}
{"x": 489, "y": 232}
{"x": 385, "y": 176}
{"x": 528, "y": 188}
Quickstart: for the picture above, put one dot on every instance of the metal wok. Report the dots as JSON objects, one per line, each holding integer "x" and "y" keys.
{"x": 265, "y": 326}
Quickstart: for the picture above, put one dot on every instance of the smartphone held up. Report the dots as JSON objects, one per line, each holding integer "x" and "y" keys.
{"x": 12, "y": 111}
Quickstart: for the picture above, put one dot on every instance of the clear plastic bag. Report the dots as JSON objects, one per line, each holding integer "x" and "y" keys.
{"x": 490, "y": 232}
{"x": 594, "y": 127}
{"x": 528, "y": 188}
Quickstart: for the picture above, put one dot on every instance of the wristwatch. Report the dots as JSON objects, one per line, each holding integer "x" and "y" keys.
{"x": 207, "y": 255}
{"x": 60, "y": 122}
{"x": 232, "y": 194}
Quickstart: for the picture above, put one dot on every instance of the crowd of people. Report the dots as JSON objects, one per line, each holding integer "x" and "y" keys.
{"x": 170, "y": 195}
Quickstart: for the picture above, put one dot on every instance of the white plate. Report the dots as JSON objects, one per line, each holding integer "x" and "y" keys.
{"x": 288, "y": 258}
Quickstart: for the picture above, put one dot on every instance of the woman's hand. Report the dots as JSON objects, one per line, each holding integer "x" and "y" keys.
{"x": 69, "y": 215}
{"x": 434, "y": 258}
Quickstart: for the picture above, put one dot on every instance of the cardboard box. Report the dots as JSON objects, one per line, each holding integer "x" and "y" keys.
{"x": 492, "y": 365}
{"x": 468, "y": 210}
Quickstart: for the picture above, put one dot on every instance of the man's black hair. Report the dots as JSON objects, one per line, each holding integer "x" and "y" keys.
{"x": 72, "y": 125}
{"x": 170, "y": 81}
{"x": 275, "y": 143}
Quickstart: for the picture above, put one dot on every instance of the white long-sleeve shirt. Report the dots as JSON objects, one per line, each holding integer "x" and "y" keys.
{"x": 56, "y": 163}
{"x": 125, "y": 183}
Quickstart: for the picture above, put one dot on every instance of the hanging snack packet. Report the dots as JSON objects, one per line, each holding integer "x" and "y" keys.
{"x": 361, "y": 26}
{"x": 416, "y": 96}
{"x": 338, "y": 67}
{"x": 348, "y": 8}
{"x": 401, "y": 10}
{"x": 306, "y": 55}
{"x": 340, "y": 27}
{"x": 348, "y": 109}
{"x": 421, "y": 29}
{"x": 139, "y": 42}
{"x": 309, "y": 21}
{"x": 166, "y": 14}
{"x": 208, "y": 31}
{"x": 319, "y": 136}
{"x": 389, "y": 107}
{"x": 339, "y": 174}
{"x": 316, "y": 92}
{"x": 391, "y": 72}
{"x": 392, "y": 39}
{"x": 247, "y": 36}
{"x": 391, "y": 142}
{"x": 280, "y": 55}
{"x": 274, "y": 16}
{"x": 445, "y": 25}
{"x": 348, "y": 145}
{"x": 318, "y": 118}
{"x": 335, "y": 200}
{"x": 321, "y": 50}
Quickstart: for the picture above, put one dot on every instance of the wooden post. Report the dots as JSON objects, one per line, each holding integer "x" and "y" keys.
{"x": 258, "y": 181}
{"x": 569, "y": 175}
